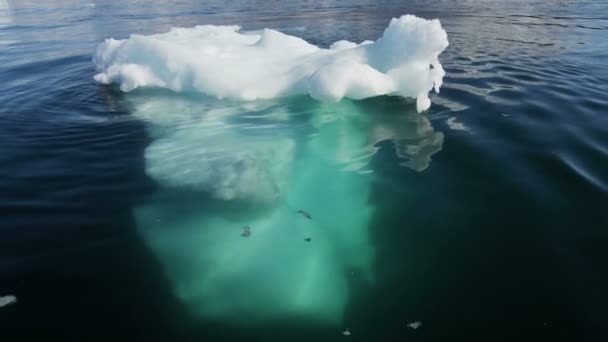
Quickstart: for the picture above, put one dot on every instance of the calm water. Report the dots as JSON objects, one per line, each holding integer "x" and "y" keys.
{"x": 490, "y": 210}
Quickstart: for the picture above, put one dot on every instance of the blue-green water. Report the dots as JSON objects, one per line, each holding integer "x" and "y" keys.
{"x": 483, "y": 218}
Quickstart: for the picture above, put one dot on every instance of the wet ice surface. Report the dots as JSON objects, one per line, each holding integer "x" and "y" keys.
{"x": 224, "y": 62}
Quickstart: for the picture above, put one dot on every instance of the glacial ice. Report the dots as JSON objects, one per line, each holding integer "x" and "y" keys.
{"x": 268, "y": 177}
{"x": 224, "y": 62}
{"x": 222, "y": 165}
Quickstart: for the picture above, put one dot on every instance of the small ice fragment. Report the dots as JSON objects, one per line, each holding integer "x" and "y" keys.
{"x": 7, "y": 300}
{"x": 246, "y": 231}
{"x": 415, "y": 325}
{"x": 346, "y": 332}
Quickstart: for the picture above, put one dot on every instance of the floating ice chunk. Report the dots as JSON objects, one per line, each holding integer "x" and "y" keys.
{"x": 224, "y": 62}
{"x": 346, "y": 332}
{"x": 415, "y": 325}
{"x": 7, "y": 300}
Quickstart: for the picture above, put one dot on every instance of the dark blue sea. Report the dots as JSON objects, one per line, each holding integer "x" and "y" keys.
{"x": 124, "y": 215}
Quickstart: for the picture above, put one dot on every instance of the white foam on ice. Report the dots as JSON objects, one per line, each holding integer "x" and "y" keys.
{"x": 224, "y": 62}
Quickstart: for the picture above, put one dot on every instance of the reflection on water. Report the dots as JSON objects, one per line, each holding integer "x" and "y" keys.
{"x": 226, "y": 166}
{"x": 412, "y": 134}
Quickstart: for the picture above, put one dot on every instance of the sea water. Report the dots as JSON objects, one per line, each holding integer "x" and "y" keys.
{"x": 389, "y": 180}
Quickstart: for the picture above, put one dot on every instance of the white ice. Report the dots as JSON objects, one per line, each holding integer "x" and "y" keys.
{"x": 224, "y": 62}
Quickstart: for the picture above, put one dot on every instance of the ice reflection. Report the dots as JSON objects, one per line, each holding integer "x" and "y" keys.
{"x": 386, "y": 119}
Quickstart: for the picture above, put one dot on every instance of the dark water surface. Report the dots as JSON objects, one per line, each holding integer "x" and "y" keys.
{"x": 491, "y": 208}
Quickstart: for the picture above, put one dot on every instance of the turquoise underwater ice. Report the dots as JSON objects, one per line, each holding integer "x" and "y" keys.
{"x": 274, "y": 272}
{"x": 299, "y": 154}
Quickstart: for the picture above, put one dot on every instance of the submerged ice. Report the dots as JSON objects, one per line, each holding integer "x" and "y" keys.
{"x": 226, "y": 166}
{"x": 263, "y": 207}
{"x": 224, "y": 62}
{"x": 218, "y": 181}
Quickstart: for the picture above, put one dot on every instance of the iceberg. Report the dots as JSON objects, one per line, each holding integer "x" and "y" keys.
{"x": 263, "y": 208}
{"x": 227, "y": 63}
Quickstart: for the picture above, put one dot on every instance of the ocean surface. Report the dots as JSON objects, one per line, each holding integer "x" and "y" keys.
{"x": 484, "y": 218}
